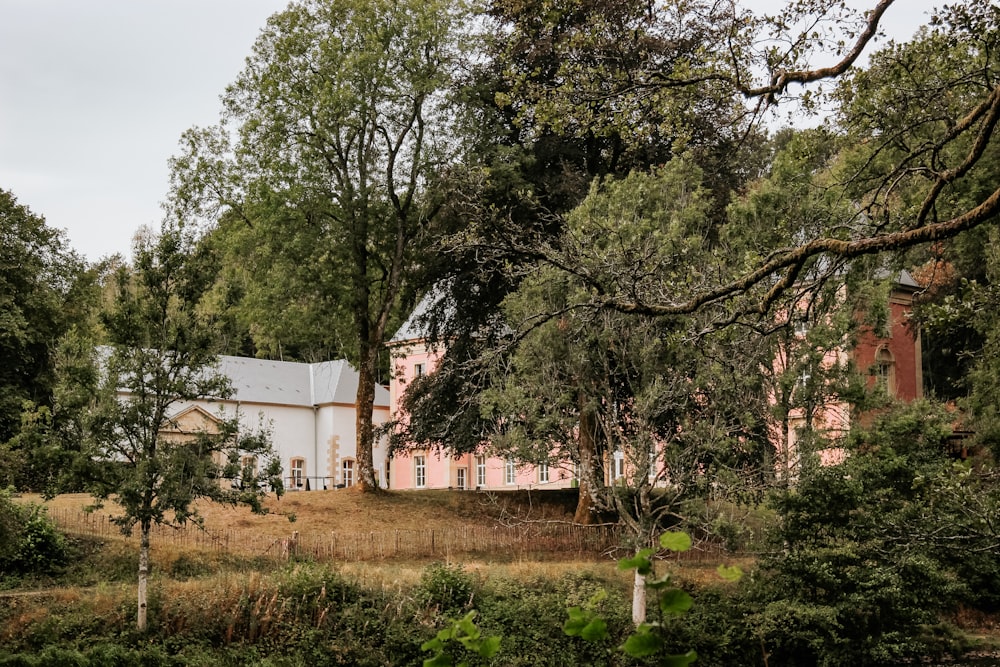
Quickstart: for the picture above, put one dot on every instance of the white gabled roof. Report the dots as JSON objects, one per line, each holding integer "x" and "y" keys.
{"x": 294, "y": 383}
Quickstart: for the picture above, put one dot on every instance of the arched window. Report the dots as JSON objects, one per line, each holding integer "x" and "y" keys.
{"x": 347, "y": 473}
{"x": 885, "y": 370}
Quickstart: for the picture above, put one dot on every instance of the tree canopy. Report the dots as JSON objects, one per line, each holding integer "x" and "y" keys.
{"x": 340, "y": 126}
{"x": 161, "y": 355}
{"x": 42, "y": 293}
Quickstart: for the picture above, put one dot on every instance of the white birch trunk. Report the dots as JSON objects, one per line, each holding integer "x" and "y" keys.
{"x": 639, "y": 598}
{"x": 143, "y": 576}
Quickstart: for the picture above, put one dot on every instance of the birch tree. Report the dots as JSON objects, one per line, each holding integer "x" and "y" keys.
{"x": 161, "y": 356}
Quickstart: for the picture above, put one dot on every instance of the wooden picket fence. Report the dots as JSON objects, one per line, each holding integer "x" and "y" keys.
{"x": 523, "y": 540}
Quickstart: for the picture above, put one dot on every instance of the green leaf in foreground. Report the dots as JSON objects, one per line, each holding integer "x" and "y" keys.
{"x": 675, "y": 601}
{"x": 643, "y": 642}
{"x": 675, "y": 541}
{"x": 729, "y": 572}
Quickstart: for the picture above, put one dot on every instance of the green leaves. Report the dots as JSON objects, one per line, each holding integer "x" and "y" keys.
{"x": 465, "y": 634}
{"x": 647, "y": 640}
{"x": 675, "y": 602}
{"x": 643, "y": 642}
{"x": 641, "y": 562}
{"x": 586, "y": 624}
{"x": 675, "y": 541}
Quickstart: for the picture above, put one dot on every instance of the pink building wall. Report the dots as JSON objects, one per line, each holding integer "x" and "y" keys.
{"x": 902, "y": 343}
{"x": 411, "y": 357}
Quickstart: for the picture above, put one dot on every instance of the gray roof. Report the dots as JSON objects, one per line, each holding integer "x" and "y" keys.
{"x": 904, "y": 279}
{"x": 415, "y": 326}
{"x": 293, "y": 383}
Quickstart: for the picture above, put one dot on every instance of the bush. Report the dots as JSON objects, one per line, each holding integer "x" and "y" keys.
{"x": 868, "y": 553}
{"x": 445, "y": 588}
{"x": 29, "y": 542}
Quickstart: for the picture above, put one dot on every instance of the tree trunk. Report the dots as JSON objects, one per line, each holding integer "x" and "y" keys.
{"x": 143, "y": 573}
{"x": 365, "y": 429}
{"x": 639, "y": 598}
{"x": 587, "y": 450}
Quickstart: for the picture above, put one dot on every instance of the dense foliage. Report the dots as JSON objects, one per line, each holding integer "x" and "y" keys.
{"x": 869, "y": 552}
{"x": 622, "y": 257}
{"x": 30, "y": 544}
{"x": 42, "y": 286}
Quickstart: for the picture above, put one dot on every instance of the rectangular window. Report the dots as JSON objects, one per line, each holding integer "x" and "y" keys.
{"x": 420, "y": 471}
{"x": 481, "y": 471}
{"x": 461, "y": 480}
{"x": 298, "y": 475}
{"x": 618, "y": 467}
{"x": 418, "y": 370}
{"x": 510, "y": 472}
{"x": 248, "y": 464}
{"x": 801, "y": 326}
{"x": 543, "y": 472}
{"x": 347, "y": 473}
{"x": 803, "y": 380}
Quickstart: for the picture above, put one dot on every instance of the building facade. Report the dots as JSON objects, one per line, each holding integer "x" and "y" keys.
{"x": 890, "y": 356}
{"x": 310, "y": 410}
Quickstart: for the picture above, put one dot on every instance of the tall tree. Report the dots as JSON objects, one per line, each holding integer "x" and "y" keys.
{"x": 161, "y": 356}
{"x": 341, "y": 125}
{"x": 922, "y": 144}
{"x": 41, "y": 281}
{"x": 668, "y": 406}
{"x": 527, "y": 168}
{"x": 921, "y": 123}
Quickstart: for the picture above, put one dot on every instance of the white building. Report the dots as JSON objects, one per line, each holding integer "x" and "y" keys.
{"x": 310, "y": 409}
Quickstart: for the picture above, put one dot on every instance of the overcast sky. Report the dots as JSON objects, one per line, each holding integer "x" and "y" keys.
{"x": 94, "y": 95}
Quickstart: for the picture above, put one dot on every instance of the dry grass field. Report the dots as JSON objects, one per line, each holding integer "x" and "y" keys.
{"x": 346, "y": 510}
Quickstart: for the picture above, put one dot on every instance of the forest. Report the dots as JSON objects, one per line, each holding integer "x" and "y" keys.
{"x": 645, "y": 229}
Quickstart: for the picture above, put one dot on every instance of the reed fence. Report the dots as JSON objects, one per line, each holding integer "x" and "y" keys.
{"x": 521, "y": 540}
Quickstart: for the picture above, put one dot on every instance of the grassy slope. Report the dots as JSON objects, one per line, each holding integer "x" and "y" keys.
{"x": 350, "y": 511}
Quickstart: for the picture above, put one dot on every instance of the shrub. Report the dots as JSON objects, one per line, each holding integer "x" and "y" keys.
{"x": 448, "y": 589}
{"x": 29, "y": 542}
{"x": 869, "y": 552}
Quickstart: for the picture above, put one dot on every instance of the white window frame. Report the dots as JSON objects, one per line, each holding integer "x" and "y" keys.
{"x": 420, "y": 471}
{"x": 543, "y": 472}
{"x": 885, "y": 370}
{"x": 480, "y": 470}
{"x": 347, "y": 473}
{"x": 248, "y": 462}
{"x": 509, "y": 472}
{"x": 617, "y": 466}
{"x": 462, "y": 478}
{"x": 297, "y": 470}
